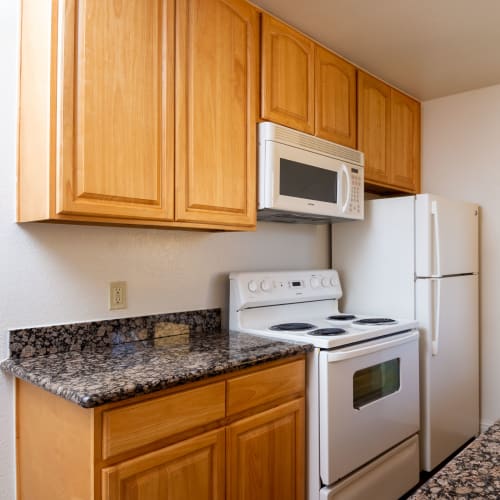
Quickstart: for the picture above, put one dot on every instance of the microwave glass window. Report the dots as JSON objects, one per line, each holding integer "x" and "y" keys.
{"x": 305, "y": 181}
{"x": 375, "y": 382}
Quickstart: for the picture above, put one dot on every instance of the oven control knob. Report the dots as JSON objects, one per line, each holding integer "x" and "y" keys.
{"x": 333, "y": 281}
{"x": 265, "y": 285}
{"x": 252, "y": 286}
{"x": 315, "y": 282}
{"x": 325, "y": 282}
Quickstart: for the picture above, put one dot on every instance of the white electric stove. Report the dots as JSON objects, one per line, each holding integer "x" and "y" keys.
{"x": 362, "y": 381}
{"x": 302, "y": 306}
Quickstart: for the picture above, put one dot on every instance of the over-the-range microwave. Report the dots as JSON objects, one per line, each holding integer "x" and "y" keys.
{"x": 306, "y": 179}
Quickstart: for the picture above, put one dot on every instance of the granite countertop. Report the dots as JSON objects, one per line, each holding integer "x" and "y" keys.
{"x": 103, "y": 375}
{"x": 473, "y": 474}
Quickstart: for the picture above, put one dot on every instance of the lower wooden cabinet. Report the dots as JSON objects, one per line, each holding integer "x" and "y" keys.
{"x": 191, "y": 469}
{"x": 194, "y": 442}
{"x": 265, "y": 455}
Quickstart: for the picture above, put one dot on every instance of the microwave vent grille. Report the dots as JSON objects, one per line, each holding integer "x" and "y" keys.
{"x": 310, "y": 142}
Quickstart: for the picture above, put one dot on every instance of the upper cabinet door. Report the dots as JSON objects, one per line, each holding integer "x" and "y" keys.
{"x": 405, "y": 142}
{"x": 287, "y": 76}
{"x": 335, "y": 98}
{"x": 115, "y": 135}
{"x": 216, "y": 111}
{"x": 374, "y": 115}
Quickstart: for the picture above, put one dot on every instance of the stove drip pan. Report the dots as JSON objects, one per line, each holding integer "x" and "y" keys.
{"x": 292, "y": 327}
{"x": 327, "y": 331}
{"x": 342, "y": 317}
{"x": 375, "y": 321}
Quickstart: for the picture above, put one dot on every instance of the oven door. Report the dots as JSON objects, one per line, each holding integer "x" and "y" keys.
{"x": 369, "y": 401}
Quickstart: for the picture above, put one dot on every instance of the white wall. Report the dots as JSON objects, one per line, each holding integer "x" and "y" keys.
{"x": 461, "y": 159}
{"x": 57, "y": 274}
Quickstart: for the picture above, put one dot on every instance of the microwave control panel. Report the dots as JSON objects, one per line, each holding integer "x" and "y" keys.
{"x": 356, "y": 198}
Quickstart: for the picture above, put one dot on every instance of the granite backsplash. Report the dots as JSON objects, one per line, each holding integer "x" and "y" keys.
{"x": 39, "y": 341}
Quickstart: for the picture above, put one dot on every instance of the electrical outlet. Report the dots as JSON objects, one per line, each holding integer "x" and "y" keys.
{"x": 118, "y": 295}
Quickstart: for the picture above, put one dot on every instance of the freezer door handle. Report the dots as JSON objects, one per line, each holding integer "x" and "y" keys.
{"x": 436, "y": 317}
{"x": 437, "y": 249}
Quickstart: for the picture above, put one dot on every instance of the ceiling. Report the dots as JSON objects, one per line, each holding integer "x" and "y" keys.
{"x": 427, "y": 48}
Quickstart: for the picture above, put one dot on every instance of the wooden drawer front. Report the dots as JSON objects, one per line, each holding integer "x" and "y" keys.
{"x": 265, "y": 386}
{"x": 140, "y": 424}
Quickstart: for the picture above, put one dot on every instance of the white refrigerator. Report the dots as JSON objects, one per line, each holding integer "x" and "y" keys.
{"x": 417, "y": 257}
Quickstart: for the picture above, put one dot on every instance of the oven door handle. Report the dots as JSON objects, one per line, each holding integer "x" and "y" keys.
{"x": 362, "y": 349}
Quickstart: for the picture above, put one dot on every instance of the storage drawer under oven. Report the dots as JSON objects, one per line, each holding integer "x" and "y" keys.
{"x": 369, "y": 401}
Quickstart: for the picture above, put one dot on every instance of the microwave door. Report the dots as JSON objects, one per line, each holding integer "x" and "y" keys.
{"x": 303, "y": 181}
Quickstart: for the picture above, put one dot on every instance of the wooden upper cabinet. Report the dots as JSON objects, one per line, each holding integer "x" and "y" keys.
{"x": 108, "y": 88}
{"x": 191, "y": 469}
{"x": 287, "y": 89}
{"x": 405, "y": 142}
{"x": 115, "y": 154}
{"x": 216, "y": 111}
{"x": 374, "y": 115}
{"x": 335, "y": 95}
{"x": 389, "y": 135}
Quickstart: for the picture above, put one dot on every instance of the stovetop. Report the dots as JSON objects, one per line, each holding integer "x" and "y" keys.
{"x": 307, "y": 303}
{"x": 344, "y": 332}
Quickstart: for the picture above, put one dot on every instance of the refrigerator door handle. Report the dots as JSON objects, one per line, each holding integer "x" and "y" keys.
{"x": 437, "y": 249}
{"x": 436, "y": 315}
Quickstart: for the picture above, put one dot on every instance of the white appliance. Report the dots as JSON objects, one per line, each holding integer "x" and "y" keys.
{"x": 306, "y": 179}
{"x": 362, "y": 381}
{"x": 417, "y": 256}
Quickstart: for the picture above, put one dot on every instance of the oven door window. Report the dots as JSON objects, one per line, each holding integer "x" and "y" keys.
{"x": 299, "y": 180}
{"x": 375, "y": 382}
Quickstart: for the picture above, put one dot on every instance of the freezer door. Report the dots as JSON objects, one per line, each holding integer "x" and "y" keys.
{"x": 446, "y": 234}
{"x": 447, "y": 311}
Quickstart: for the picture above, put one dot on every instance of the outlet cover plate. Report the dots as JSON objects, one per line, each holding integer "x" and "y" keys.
{"x": 118, "y": 295}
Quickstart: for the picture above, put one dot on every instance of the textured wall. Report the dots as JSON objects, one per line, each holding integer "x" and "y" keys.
{"x": 461, "y": 159}
{"x": 57, "y": 274}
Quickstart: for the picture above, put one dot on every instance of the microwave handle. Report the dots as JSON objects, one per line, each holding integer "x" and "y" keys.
{"x": 345, "y": 171}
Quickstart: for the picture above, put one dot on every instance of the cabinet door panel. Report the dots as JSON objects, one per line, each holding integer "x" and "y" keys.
{"x": 374, "y": 114}
{"x": 265, "y": 455}
{"x": 287, "y": 76}
{"x": 116, "y": 133}
{"x": 405, "y": 141}
{"x": 191, "y": 469}
{"x": 335, "y": 98}
{"x": 216, "y": 99}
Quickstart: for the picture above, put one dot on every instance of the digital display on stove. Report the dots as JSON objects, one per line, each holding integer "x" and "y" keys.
{"x": 296, "y": 283}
